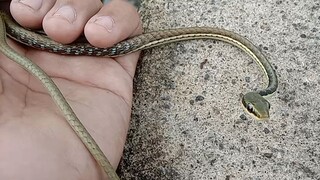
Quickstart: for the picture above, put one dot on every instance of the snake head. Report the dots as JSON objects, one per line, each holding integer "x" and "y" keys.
{"x": 257, "y": 105}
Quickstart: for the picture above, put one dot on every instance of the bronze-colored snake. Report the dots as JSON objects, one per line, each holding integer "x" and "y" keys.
{"x": 252, "y": 101}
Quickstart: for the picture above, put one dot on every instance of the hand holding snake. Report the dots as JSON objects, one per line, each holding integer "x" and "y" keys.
{"x": 43, "y": 143}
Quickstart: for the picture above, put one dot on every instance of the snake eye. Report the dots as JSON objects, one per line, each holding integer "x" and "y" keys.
{"x": 250, "y": 108}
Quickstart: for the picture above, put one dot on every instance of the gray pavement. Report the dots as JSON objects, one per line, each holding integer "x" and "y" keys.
{"x": 187, "y": 120}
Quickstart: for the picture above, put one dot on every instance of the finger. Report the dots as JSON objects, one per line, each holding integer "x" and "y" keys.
{"x": 115, "y": 22}
{"x": 30, "y": 13}
{"x": 67, "y": 18}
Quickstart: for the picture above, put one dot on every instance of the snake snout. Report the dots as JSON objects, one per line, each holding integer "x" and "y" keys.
{"x": 257, "y": 105}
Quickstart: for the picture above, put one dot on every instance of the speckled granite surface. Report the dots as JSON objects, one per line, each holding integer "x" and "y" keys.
{"x": 187, "y": 121}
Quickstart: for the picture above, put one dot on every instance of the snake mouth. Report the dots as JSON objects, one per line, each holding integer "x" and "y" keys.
{"x": 258, "y": 116}
{"x": 264, "y": 117}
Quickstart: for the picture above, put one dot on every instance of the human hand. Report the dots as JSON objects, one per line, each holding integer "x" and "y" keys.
{"x": 36, "y": 142}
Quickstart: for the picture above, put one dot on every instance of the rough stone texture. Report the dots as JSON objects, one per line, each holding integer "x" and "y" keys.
{"x": 187, "y": 121}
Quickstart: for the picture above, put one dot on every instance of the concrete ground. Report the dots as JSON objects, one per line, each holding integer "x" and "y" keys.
{"x": 187, "y": 120}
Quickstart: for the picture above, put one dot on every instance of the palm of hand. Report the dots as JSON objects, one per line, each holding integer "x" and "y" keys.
{"x": 98, "y": 90}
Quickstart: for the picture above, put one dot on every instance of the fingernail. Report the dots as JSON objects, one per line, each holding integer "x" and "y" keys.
{"x": 33, "y": 4}
{"x": 66, "y": 12}
{"x": 105, "y": 21}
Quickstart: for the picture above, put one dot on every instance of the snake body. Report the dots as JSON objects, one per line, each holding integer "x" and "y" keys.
{"x": 254, "y": 102}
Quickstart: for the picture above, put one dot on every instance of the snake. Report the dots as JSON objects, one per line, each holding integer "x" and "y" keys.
{"x": 254, "y": 101}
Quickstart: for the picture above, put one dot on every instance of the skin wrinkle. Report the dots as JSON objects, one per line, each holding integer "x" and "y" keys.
{"x": 9, "y": 74}
{"x": 75, "y": 101}
{"x": 125, "y": 70}
{"x": 106, "y": 91}
{"x": 138, "y": 28}
{"x": 121, "y": 97}
{"x": 127, "y": 101}
{"x": 92, "y": 85}
{"x": 1, "y": 86}
{"x": 70, "y": 80}
{"x": 93, "y": 132}
{"x": 30, "y": 54}
{"x": 28, "y": 91}
{"x": 25, "y": 84}
{"x": 26, "y": 94}
{"x": 56, "y": 78}
{"x": 23, "y": 52}
{"x": 55, "y": 13}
